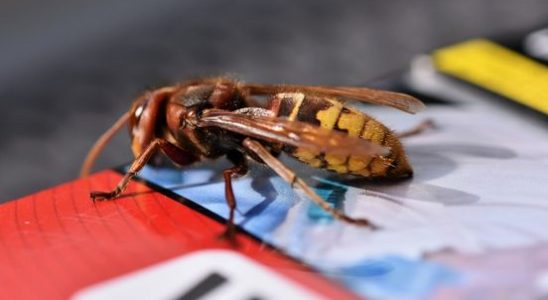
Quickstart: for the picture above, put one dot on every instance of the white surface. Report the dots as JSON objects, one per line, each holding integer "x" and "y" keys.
{"x": 171, "y": 279}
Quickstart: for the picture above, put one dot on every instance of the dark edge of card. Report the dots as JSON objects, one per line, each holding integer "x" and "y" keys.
{"x": 395, "y": 81}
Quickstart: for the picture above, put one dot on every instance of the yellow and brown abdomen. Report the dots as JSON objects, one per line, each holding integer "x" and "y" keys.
{"x": 331, "y": 113}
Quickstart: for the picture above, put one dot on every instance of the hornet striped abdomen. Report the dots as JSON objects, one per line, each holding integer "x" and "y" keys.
{"x": 331, "y": 113}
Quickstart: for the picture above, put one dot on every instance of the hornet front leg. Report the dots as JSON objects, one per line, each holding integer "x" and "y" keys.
{"x": 176, "y": 154}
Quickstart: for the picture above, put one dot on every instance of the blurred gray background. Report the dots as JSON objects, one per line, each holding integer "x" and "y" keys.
{"x": 68, "y": 69}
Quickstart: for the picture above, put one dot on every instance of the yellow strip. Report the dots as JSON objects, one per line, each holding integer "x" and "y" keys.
{"x": 328, "y": 117}
{"x": 298, "y": 98}
{"x": 498, "y": 69}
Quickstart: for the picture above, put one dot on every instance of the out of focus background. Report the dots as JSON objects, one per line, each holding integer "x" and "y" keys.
{"x": 68, "y": 69}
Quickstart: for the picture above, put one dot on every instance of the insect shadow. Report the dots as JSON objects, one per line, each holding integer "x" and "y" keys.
{"x": 260, "y": 182}
{"x": 263, "y": 186}
{"x": 433, "y": 161}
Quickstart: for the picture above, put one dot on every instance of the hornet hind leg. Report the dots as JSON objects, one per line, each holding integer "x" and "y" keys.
{"x": 417, "y": 129}
{"x": 288, "y": 175}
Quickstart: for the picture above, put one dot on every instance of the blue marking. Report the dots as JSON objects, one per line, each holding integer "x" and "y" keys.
{"x": 315, "y": 212}
{"x": 333, "y": 194}
{"x": 395, "y": 277}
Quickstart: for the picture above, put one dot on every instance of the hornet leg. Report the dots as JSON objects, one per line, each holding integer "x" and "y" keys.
{"x": 417, "y": 129}
{"x": 239, "y": 168}
{"x": 178, "y": 155}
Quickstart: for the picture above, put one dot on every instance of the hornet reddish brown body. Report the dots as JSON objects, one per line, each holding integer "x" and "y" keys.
{"x": 210, "y": 118}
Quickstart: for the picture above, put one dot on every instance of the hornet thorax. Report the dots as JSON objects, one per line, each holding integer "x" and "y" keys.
{"x": 187, "y": 103}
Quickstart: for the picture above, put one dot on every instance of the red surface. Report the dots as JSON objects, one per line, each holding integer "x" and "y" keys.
{"x": 57, "y": 241}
